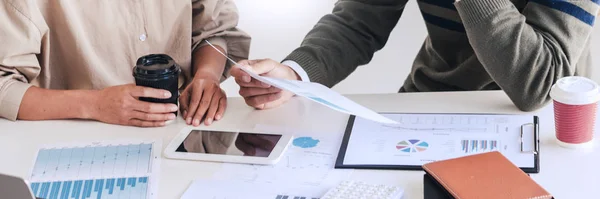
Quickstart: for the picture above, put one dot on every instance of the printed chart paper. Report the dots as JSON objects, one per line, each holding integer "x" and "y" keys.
{"x": 325, "y": 96}
{"x": 310, "y": 160}
{"x": 225, "y": 189}
{"x": 96, "y": 170}
{"x": 305, "y": 170}
{"x": 422, "y": 138}
{"x": 317, "y": 93}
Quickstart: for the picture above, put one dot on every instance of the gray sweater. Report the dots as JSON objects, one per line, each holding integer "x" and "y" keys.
{"x": 519, "y": 46}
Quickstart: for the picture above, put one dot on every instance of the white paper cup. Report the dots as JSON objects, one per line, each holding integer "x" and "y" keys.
{"x": 575, "y": 104}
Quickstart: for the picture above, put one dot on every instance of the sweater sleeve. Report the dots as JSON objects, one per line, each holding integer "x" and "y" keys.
{"x": 346, "y": 38}
{"x": 526, "y": 52}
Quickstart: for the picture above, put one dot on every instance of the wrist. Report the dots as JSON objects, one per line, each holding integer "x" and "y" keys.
{"x": 296, "y": 76}
{"x": 212, "y": 75}
{"x": 300, "y": 73}
{"x": 293, "y": 74}
{"x": 88, "y": 110}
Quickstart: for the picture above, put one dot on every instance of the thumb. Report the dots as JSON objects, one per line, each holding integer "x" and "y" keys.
{"x": 237, "y": 72}
{"x": 261, "y": 66}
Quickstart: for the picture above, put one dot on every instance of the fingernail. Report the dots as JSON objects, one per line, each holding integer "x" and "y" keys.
{"x": 162, "y": 124}
{"x": 218, "y": 117}
{"x": 196, "y": 122}
{"x": 209, "y": 121}
{"x": 171, "y": 117}
{"x": 246, "y": 78}
{"x": 173, "y": 108}
{"x": 167, "y": 94}
{"x": 184, "y": 113}
{"x": 188, "y": 120}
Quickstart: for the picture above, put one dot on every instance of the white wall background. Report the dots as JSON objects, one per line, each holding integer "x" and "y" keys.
{"x": 278, "y": 26}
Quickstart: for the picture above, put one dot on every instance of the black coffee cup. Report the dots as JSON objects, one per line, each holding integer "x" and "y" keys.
{"x": 158, "y": 71}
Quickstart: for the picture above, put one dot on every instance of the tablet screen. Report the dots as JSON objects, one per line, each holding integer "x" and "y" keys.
{"x": 229, "y": 143}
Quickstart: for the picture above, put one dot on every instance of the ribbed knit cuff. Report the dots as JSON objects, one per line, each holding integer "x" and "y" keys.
{"x": 316, "y": 72}
{"x": 11, "y": 96}
{"x": 474, "y": 11}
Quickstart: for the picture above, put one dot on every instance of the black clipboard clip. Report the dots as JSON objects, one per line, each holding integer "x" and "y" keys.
{"x": 536, "y": 141}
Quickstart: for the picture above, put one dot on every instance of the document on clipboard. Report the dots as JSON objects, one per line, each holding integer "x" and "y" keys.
{"x": 420, "y": 138}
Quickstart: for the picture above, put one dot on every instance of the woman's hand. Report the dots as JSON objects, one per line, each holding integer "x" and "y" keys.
{"x": 203, "y": 100}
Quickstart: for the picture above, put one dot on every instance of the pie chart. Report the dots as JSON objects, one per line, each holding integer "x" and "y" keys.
{"x": 305, "y": 142}
{"x": 412, "y": 146}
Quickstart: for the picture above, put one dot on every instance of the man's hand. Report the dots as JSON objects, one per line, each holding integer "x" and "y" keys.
{"x": 121, "y": 105}
{"x": 260, "y": 95}
{"x": 203, "y": 98}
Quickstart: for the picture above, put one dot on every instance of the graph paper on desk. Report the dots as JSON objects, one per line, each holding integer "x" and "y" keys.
{"x": 96, "y": 170}
{"x": 420, "y": 138}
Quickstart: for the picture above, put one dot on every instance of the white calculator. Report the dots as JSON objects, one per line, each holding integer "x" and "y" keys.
{"x": 362, "y": 190}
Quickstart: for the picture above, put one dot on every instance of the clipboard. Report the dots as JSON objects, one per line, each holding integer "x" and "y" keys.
{"x": 524, "y": 129}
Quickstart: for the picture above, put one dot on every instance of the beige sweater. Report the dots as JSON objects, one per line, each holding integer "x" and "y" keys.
{"x": 94, "y": 44}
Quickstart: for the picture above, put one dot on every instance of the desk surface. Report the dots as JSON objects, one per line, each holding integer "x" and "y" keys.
{"x": 564, "y": 172}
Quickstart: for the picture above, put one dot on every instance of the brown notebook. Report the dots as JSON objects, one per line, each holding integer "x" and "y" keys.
{"x": 487, "y": 175}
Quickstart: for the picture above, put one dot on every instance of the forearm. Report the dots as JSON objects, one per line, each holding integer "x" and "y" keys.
{"x": 526, "y": 52}
{"x": 346, "y": 38}
{"x": 44, "y": 104}
{"x": 208, "y": 63}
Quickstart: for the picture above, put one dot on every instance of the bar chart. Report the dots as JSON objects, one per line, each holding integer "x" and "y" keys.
{"x": 292, "y": 197}
{"x": 479, "y": 146}
{"x": 93, "y": 171}
{"x": 98, "y": 188}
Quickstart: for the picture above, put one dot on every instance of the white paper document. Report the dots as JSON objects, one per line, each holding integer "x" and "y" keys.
{"x": 310, "y": 160}
{"x": 422, "y": 138}
{"x": 225, "y": 189}
{"x": 317, "y": 93}
{"x": 305, "y": 170}
{"x": 96, "y": 170}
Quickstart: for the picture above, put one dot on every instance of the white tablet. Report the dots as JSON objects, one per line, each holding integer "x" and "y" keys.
{"x": 14, "y": 187}
{"x": 205, "y": 144}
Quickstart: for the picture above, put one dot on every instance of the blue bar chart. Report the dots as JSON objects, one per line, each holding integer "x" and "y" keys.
{"x": 479, "y": 146}
{"x": 108, "y": 171}
{"x": 133, "y": 187}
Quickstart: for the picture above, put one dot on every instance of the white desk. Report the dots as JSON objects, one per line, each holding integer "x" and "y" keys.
{"x": 565, "y": 173}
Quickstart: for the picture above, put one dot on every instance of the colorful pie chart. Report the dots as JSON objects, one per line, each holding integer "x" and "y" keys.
{"x": 412, "y": 146}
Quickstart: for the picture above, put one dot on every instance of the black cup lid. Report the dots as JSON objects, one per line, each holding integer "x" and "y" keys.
{"x": 155, "y": 65}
